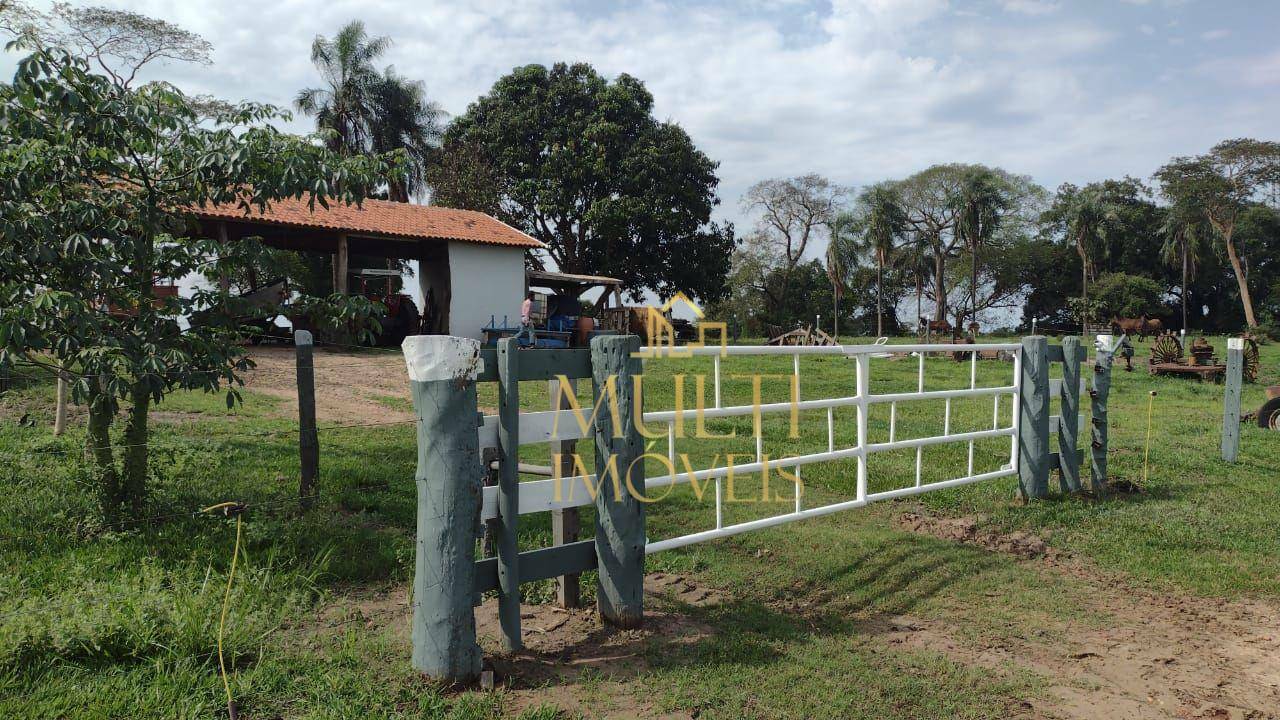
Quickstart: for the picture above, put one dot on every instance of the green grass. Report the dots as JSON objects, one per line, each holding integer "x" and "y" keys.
{"x": 123, "y": 623}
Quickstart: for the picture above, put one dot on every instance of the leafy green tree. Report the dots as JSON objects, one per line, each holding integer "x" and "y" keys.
{"x": 1123, "y": 295}
{"x": 581, "y": 164}
{"x": 367, "y": 111}
{"x": 1221, "y": 184}
{"x": 97, "y": 184}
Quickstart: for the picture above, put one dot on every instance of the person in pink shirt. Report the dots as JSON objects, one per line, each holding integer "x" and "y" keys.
{"x": 526, "y": 308}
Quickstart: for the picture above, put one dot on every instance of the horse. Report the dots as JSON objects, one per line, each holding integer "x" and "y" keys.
{"x": 938, "y": 327}
{"x": 1141, "y": 326}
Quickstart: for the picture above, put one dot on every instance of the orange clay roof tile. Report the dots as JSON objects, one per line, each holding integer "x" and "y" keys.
{"x": 380, "y": 217}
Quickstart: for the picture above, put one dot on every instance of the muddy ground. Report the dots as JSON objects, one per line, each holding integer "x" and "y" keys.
{"x": 1161, "y": 657}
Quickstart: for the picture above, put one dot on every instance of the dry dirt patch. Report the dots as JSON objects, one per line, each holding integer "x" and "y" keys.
{"x": 1158, "y": 655}
{"x": 351, "y": 387}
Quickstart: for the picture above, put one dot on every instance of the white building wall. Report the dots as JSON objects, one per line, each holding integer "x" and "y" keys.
{"x": 486, "y": 281}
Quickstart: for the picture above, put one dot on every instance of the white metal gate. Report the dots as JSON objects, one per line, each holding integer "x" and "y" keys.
{"x": 557, "y": 493}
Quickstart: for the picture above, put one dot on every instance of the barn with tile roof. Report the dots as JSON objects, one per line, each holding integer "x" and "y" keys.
{"x": 470, "y": 265}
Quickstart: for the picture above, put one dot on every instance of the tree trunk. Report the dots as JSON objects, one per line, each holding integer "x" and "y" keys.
{"x": 134, "y": 485}
{"x": 1245, "y": 298}
{"x": 1184, "y": 285}
{"x": 98, "y": 448}
{"x": 879, "y": 295}
{"x": 919, "y": 297}
{"x": 973, "y": 291}
{"x": 1084, "y": 288}
{"x": 835, "y": 317}
{"x": 60, "y": 411}
{"x": 939, "y": 287}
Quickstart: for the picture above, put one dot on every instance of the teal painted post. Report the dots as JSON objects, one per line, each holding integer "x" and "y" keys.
{"x": 308, "y": 441}
{"x": 1098, "y": 421}
{"x": 509, "y": 492}
{"x": 1033, "y": 419}
{"x": 620, "y": 533}
{"x": 1069, "y": 422}
{"x": 442, "y": 372}
{"x": 1231, "y": 400}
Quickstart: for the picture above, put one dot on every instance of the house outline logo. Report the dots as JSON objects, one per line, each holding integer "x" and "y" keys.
{"x": 662, "y": 333}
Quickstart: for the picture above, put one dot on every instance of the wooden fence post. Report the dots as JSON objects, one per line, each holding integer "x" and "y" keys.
{"x": 442, "y": 374}
{"x": 1069, "y": 417}
{"x": 620, "y": 521}
{"x": 1231, "y": 400}
{"x": 565, "y": 523}
{"x": 1033, "y": 419}
{"x": 1098, "y": 410}
{"x": 308, "y": 441}
{"x": 509, "y": 492}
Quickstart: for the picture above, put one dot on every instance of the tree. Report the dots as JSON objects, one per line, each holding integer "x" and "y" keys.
{"x": 1184, "y": 242}
{"x": 1124, "y": 295}
{"x": 370, "y": 112}
{"x": 981, "y": 205}
{"x": 1085, "y": 215}
{"x": 1221, "y": 184}
{"x": 120, "y": 43}
{"x": 928, "y": 200}
{"x": 841, "y": 248}
{"x": 882, "y": 222}
{"x": 582, "y": 165}
{"x": 97, "y": 184}
{"x": 793, "y": 212}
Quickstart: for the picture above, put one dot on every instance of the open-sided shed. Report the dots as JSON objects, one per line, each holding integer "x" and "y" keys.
{"x": 471, "y": 265}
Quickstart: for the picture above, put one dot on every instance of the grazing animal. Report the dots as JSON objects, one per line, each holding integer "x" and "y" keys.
{"x": 1141, "y": 326}
{"x": 935, "y": 327}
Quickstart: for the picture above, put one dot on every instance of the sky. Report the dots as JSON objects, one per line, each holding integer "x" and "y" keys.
{"x": 856, "y": 90}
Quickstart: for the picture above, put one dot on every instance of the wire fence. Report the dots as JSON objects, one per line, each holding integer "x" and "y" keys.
{"x": 207, "y": 439}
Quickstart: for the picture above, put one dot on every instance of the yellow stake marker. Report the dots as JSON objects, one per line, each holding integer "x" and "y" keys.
{"x": 1146, "y": 453}
{"x": 227, "y": 508}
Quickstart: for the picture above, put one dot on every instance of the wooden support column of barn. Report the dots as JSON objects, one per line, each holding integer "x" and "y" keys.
{"x": 340, "y": 262}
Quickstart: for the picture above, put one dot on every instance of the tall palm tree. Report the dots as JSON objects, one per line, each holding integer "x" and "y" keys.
{"x": 1185, "y": 238}
{"x": 370, "y": 111}
{"x": 1087, "y": 217}
{"x": 884, "y": 221}
{"x": 840, "y": 250}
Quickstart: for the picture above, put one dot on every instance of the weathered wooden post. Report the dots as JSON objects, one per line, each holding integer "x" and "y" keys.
{"x": 442, "y": 375}
{"x": 509, "y": 492}
{"x": 1098, "y": 412}
{"x": 620, "y": 533}
{"x": 308, "y": 441}
{"x": 1033, "y": 419}
{"x": 1069, "y": 420}
{"x": 1231, "y": 400}
{"x": 565, "y": 523}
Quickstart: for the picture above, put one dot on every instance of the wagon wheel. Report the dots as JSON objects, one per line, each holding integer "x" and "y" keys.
{"x": 1250, "y": 367}
{"x": 1166, "y": 349}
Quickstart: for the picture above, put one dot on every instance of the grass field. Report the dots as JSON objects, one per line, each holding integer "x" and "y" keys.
{"x": 110, "y": 623}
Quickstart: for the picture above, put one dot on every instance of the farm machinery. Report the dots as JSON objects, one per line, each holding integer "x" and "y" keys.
{"x": 1169, "y": 358}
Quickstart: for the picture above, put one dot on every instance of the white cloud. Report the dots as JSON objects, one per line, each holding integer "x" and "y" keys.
{"x": 1146, "y": 29}
{"x": 857, "y": 90}
{"x": 1255, "y": 71}
{"x": 1217, "y": 34}
{"x": 1031, "y": 7}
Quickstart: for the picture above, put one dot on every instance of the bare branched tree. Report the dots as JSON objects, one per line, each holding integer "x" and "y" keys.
{"x": 120, "y": 42}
